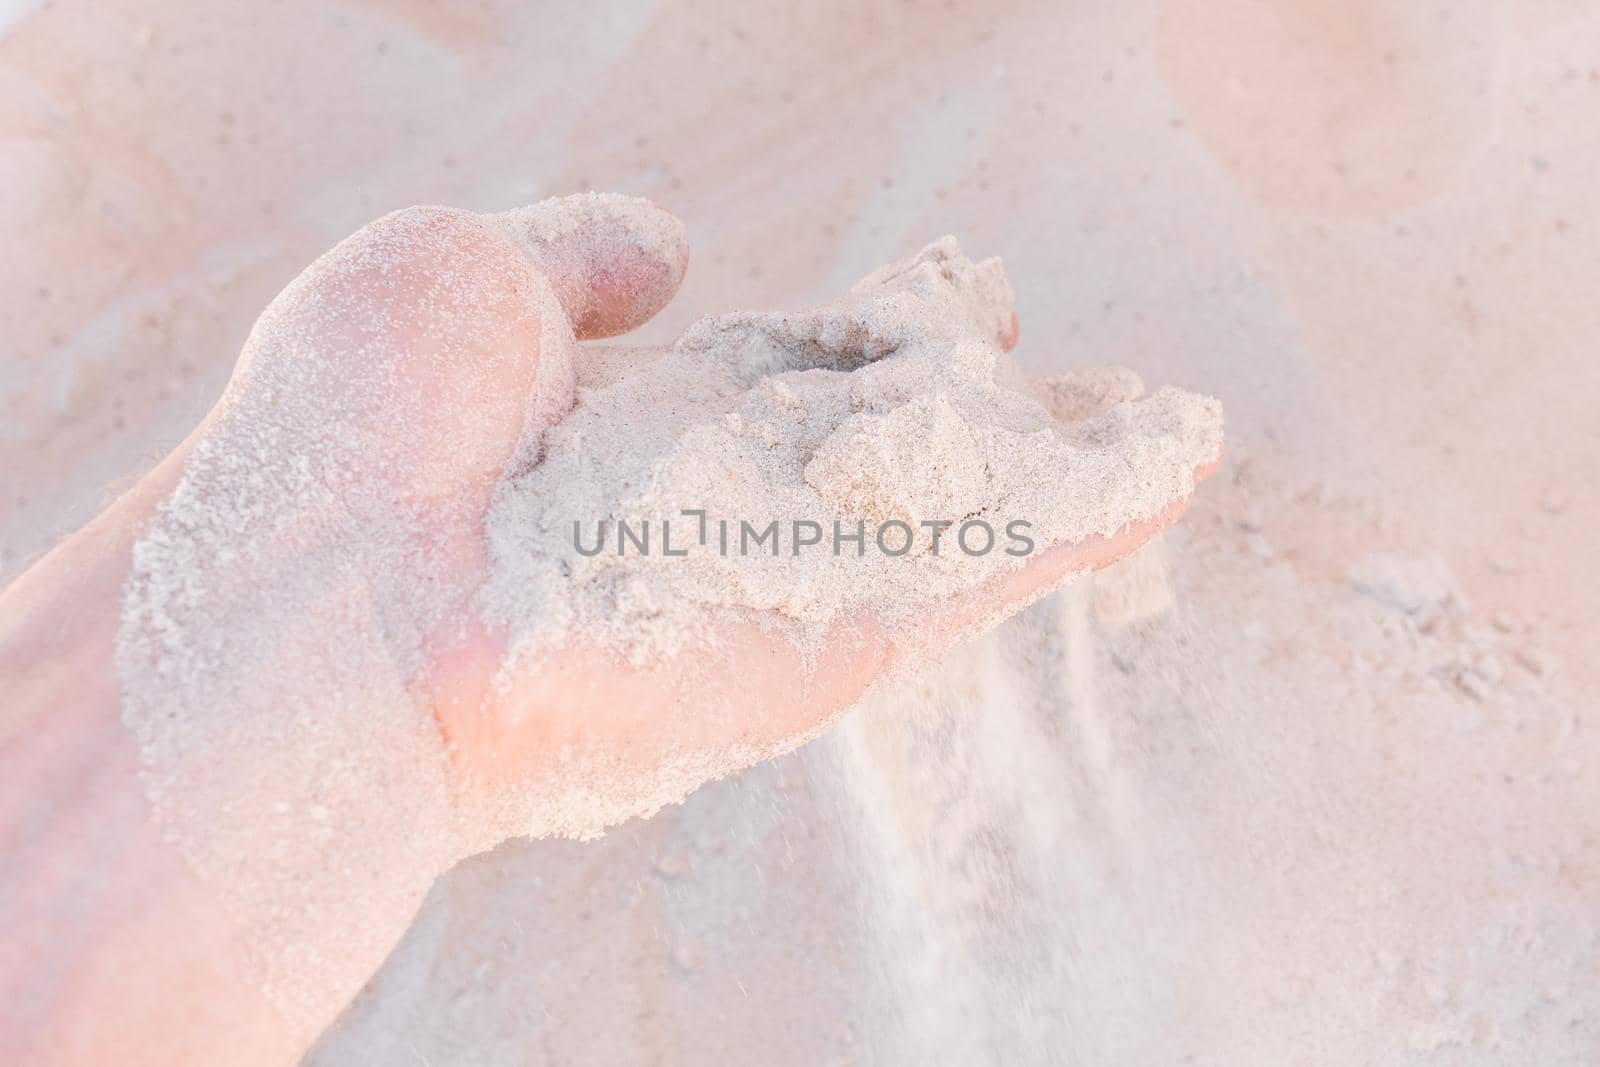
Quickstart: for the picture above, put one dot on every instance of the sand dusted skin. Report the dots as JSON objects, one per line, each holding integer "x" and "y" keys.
{"x": 281, "y": 607}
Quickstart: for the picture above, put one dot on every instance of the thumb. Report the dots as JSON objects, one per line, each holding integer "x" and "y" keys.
{"x": 612, "y": 260}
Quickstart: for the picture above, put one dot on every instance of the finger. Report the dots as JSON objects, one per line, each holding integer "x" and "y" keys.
{"x": 1124, "y": 468}
{"x": 974, "y": 611}
{"x": 614, "y": 261}
{"x": 856, "y": 654}
{"x": 1010, "y": 334}
{"x": 422, "y": 320}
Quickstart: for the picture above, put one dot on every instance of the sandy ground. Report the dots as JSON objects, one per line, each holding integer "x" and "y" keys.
{"x": 1347, "y": 807}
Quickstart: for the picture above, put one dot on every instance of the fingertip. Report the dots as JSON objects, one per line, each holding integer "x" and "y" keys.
{"x": 614, "y": 261}
{"x": 1009, "y": 336}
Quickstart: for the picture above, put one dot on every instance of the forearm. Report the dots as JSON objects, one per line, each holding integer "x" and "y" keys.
{"x": 111, "y": 948}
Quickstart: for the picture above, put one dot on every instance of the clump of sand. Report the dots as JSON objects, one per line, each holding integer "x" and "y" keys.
{"x": 874, "y": 454}
{"x": 873, "y": 457}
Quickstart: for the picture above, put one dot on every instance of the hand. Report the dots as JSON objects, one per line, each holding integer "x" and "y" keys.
{"x": 351, "y": 462}
{"x": 296, "y": 590}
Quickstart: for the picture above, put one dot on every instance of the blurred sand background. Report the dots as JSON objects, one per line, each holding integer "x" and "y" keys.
{"x": 1360, "y": 806}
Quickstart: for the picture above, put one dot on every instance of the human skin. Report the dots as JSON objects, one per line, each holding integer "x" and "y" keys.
{"x": 112, "y": 947}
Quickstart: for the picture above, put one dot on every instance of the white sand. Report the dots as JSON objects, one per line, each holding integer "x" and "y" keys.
{"x": 1290, "y": 821}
